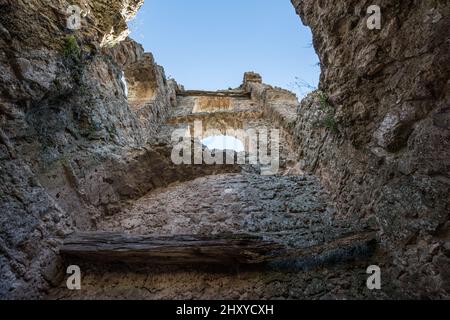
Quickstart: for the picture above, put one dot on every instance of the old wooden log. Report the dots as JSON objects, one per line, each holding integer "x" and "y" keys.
{"x": 224, "y": 249}
{"x": 177, "y": 249}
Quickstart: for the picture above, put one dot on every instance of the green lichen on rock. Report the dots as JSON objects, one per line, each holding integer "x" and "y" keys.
{"x": 73, "y": 58}
{"x": 71, "y": 49}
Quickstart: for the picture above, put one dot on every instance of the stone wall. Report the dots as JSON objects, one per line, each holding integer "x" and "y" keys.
{"x": 377, "y": 133}
{"x": 278, "y": 104}
{"x": 67, "y": 132}
{"x": 72, "y": 149}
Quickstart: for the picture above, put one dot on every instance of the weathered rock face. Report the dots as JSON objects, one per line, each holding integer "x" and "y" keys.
{"x": 289, "y": 209}
{"x": 75, "y": 150}
{"x": 67, "y": 132}
{"x": 378, "y": 135}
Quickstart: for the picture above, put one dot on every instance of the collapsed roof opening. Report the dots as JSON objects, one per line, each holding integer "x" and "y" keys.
{"x": 224, "y": 142}
{"x": 213, "y": 43}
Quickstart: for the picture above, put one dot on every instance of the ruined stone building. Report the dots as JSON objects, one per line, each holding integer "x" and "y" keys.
{"x": 88, "y": 177}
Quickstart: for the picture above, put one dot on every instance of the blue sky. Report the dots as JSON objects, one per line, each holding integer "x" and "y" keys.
{"x": 209, "y": 44}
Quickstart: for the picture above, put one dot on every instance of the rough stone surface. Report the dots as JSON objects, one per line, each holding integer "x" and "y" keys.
{"x": 388, "y": 156}
{"x": 77, "y": 154}
{"x": 65, "y": 122}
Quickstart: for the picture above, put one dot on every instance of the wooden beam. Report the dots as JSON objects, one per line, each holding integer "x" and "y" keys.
{"x": 224, "y": 249}
{"x": 178, "y": 249}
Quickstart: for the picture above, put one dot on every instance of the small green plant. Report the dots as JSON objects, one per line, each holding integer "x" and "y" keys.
{"x": 324, "y": 101}
{"x": 329, "y": 121}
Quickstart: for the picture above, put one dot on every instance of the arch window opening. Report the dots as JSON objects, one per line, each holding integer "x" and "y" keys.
{"x": 223, "y": 142}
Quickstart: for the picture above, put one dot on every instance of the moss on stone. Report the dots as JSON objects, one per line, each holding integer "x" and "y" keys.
{"x": 71, "y": 49}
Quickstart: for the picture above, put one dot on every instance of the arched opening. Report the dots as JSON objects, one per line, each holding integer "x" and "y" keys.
{"x": 224, "y": 142}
